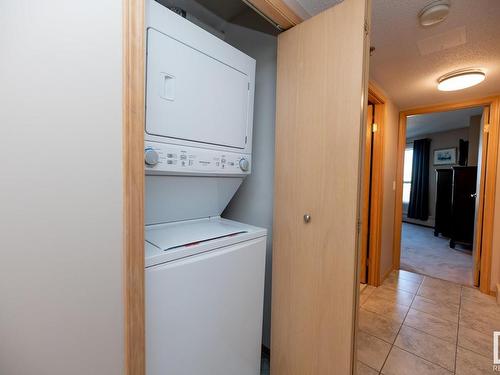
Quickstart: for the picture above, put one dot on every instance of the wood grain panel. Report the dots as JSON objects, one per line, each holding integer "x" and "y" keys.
{"x": 318, "y": 144}
{"x": 133, "y": 184}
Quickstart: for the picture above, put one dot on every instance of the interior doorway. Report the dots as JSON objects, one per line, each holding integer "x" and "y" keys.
{"x": 371, "y": 204}
{"x": 443, "y": 227}
{"x": 441, "y": 193}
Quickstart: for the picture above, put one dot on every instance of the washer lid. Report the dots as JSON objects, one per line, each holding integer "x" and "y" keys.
{"x": 181, "y": 234}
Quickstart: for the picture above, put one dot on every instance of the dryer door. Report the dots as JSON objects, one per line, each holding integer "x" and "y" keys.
{"x": 194, "y": 96}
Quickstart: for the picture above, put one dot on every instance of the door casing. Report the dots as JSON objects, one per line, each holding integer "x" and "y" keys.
{"x": 372, "y": 227}
{"x": 489, "y": 181}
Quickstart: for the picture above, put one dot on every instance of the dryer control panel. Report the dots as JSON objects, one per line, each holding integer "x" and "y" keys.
{"x": 161, "y": 158}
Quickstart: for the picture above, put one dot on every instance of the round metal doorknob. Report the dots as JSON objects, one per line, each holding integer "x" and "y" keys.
{"x": 307, "y": 218}
{"x": 473, "y": 195}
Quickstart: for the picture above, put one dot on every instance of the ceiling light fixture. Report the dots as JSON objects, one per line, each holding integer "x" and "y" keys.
{"x": 460, "y": 79}
{"x": 434, "y": 12}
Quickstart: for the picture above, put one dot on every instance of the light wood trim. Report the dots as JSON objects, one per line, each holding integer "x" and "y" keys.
{"x": 278, "y": 12}
{"x": 490, "y": 180}
{"x": 480, "y": 208}
{"x": 489, "y": 197}
{"x": 377, "y": 197}
{"x": 375, "y": 95}
{"x": 133, "y": 185}
{"x": 367, "y": 157}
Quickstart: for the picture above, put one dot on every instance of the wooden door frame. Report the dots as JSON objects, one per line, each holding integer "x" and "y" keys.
{"x": 490, "y": 180}
{"x": 376, "y": 196}
{"x": 275, "y": 11}
{"x": 133, "y": 185}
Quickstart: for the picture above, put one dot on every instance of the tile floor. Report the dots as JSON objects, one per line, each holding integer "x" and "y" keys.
{"x": 416, "y": 324}
{"x": 423, "y": 253}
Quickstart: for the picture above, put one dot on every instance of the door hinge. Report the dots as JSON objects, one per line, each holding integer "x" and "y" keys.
{"x": 486, "y": 128}
{"x": 246, "y": 139}
{"x": 367, "y": 28}
{"x": 248, "y": 86}
{"x": 374, "y": 127}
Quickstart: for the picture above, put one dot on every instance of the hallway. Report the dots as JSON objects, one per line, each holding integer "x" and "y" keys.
{"x": 414, "y": 324}
{"x": 423, "y": 253}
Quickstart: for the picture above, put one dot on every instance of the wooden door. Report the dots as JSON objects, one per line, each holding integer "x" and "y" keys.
{"x": 366, "y": 192}
{"x": 320, "y": 96}
{"x": 479, "y": 210}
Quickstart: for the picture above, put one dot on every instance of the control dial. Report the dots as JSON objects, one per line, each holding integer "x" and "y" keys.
{"x": 151, "y": 157}
{"x": 244, "y": 164}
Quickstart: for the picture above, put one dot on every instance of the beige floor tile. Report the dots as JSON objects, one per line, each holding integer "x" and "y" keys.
{"x": 487, "y": 310}
{"x": 406, "y": 285}
{"x": 366, "y": 293}
{"x": 363, "y": 369}
{"x": 394, "y": 295}
{"x": 442, "y": 284}
{"x": 440, "y": 294}
{"x": 428, "y": 347}
{"x": 435, "y": 308}
{"x": 378, "y": 325}
{"x": 475, "y": 341}
{"x": 371, "y": 350}
{"x": 401, "y": 362}
{"x": 475, "y": 295}
{"x": 469, "y": 363}
{"x": 386, "y": 308}
{"x": 402, "y": 274}
{"x": 479, "y": 322}
{"x": 432, "y": 325}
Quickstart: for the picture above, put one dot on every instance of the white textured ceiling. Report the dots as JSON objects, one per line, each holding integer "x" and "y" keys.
{"x": 409, "y": 58}
{"x": 440, "y": 121}
{"x": 309, "y": 8}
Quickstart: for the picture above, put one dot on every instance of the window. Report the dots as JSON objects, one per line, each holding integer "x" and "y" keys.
{"x": 407, "y": 169}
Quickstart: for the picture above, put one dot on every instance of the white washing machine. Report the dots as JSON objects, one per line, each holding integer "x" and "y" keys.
{"x": 204, "y": 293}
{"x": 204, "y": 274}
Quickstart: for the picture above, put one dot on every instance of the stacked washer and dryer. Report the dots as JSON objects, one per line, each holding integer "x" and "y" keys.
{"x": 204, "y": 274}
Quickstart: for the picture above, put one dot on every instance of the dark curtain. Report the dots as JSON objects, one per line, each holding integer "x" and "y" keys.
{"x": 418, "y": 207}
{"x": 463, "y": 152}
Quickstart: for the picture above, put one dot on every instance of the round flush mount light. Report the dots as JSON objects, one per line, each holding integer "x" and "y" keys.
{"x": 434, "y": 12}
{"x": 461, "y": 79}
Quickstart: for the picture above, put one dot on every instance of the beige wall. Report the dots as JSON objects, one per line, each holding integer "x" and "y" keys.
{"x": 474, "y": 133}
{"x": 389, "y": 177}
{"x": 61, "y": 308}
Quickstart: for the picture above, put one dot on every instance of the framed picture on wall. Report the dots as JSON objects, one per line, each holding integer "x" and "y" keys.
{"x": 445, "y": 156}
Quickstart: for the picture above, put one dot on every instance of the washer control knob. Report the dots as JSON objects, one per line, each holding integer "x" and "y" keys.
{"x": 151, "y": 157}
{"x": 244, "y": 164}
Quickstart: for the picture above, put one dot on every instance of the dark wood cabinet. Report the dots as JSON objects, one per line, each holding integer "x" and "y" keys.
{"x": 455, "y": 204}
{"x": 444, "y": 185}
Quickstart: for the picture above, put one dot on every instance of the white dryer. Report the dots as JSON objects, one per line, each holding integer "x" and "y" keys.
{"x": 204, "y": 274}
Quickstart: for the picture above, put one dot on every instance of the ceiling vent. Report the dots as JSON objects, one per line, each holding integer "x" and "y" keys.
{"x": 435, "y": 12}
